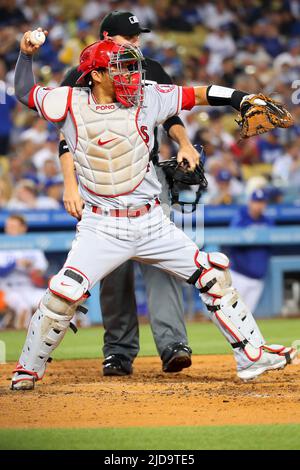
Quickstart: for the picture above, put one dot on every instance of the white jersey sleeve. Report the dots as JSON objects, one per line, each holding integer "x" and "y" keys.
{"x": 168, "y": 100}
{"x": 52, "y": 104}
{"x": 163, "y": 100}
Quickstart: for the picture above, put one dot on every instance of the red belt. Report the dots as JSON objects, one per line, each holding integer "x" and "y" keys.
{"x": 125, "y": 212}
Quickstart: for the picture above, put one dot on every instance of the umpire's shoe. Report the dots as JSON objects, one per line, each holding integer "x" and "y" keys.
{"x": 176, "y": 357}
{"x": 117, "y": 364}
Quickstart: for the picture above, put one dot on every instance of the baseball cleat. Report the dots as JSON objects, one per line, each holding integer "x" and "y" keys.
{"x": 176, "y": 357}
{"x": 289, "y": 352}
{"x": 267, "y": 361}
{"x": 24, "y": 379}
{"x": 117, "y": 365}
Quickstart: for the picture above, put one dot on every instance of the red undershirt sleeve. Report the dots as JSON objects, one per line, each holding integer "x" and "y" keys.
{"x": 188, "y": 98}
{"x": 31, "y": 103}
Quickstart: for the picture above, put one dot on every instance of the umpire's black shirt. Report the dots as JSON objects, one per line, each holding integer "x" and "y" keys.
{"x": 154, "y": 74}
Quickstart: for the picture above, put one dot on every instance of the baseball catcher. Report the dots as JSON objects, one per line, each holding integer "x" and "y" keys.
{"x": 117, "y": 289}
{"x": 109, "y": 127}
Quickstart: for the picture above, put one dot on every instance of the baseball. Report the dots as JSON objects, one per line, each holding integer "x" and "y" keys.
{"x": 37, "y": 38}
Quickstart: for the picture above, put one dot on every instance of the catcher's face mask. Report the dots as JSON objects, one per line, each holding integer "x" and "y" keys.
{"x": 126, "y": 71}
{"x": 124, "y": 66}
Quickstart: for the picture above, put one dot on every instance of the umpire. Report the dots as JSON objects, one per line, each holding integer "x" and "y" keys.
{"x": 164, "y": 292}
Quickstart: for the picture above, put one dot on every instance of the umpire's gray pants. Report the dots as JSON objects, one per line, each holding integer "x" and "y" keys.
{"x": 119, "y": 312}
{"x": 118, "y": 305}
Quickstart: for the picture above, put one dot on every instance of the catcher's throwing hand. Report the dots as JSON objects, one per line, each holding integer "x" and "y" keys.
{"x": 260, "y": 114}
{"x": 26, "y": 46}
{"x": 73, "y": 202}
{"x": 190, "y": 154}
{"x": 180, "y": 176}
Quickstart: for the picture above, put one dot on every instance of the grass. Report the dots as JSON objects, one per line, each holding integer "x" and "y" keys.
{"x": 263, "y": 437}
{"x": 204, "y": 338}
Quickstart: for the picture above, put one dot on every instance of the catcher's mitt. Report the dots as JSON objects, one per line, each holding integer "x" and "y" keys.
{"x": 260, "y": 114}
{"x": 180, "y": 177}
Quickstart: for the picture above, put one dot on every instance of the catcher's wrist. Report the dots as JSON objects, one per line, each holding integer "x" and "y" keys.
{"x": 26, "y": 55}
{"x": 223, "y": 96}
{"x": 63, "y": 148}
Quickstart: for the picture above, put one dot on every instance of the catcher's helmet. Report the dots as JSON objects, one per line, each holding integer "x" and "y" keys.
{"x": 124, "y": 65}
{"x": 180, "y": 178}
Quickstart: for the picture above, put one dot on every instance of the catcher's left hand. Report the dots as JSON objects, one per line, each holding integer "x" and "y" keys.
{"x": 260, "y": 114}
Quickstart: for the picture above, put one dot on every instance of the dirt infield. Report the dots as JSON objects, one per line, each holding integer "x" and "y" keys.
{"x": 74, "y": 394}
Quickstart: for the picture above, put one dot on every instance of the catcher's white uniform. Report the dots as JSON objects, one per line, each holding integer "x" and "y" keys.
{"x": 122, "y": 219}
{"x": 111, "y": 146}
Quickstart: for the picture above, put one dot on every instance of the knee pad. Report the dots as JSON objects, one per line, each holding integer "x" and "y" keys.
{"x": 55, "y": 306}
{"x": 70, "y": 285}
{"x": 212, "y": 276}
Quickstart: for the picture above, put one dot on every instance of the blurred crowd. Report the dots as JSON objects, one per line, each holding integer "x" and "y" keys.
{"x": 253, "y": 46}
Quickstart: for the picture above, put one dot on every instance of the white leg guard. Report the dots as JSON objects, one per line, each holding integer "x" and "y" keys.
{"x": 48, "y": 327}
{"x": 46, "y": 330}
{"x": 239, "y": 354}
{"x": 235, "y": 320}
{"x": 237, "y": 323}
{"x": 227, "y": 309}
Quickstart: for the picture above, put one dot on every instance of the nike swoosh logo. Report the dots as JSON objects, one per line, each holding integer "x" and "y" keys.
{"x": 105, "y": 141}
